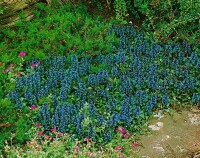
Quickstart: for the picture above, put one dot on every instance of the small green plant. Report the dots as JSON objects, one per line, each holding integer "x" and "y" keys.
{"x": 1, "y": 11}
{"x": 121, "y": 11}
{"x": 61, "y": 145}
{"x": 63, "y": 31}
{"x": 171, "y": 19}
{"x": 14, "y": 124}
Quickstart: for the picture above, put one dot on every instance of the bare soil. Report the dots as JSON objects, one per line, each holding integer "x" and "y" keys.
{"x": 175, "y": 136}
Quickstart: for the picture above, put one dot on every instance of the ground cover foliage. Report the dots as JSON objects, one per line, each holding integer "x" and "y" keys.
{"x": 101, "y": 78}
{"x": 92, "y": 96}
{"x": 65, "y": 31}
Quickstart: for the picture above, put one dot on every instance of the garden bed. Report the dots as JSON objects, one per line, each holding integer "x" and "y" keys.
{"x": 90, "y": 87}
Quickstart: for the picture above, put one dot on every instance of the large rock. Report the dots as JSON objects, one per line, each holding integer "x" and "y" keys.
{"x": 10, "y": 9}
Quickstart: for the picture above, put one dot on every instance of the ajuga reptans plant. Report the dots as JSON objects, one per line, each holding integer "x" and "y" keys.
{"x": 92, "y": 96}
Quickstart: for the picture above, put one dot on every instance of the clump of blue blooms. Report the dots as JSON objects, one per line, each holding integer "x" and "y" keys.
{"x": 135, "y": 78}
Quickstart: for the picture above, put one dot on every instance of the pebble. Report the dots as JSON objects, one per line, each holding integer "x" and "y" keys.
{"x": 159, "y": 115}
{"x": 156, "y": 127}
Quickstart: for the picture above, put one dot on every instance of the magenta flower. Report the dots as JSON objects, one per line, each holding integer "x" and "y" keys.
{"x": 22, "y": 54}
{"x": 86, "y": 139}
{"x": 92, "y": 154}
{"x": 135, "y": 145}
{"x": 18, "y": 74}
{"x": 117, "y": 130}
{"x": 54, "y": 129}
{"x": 46, "y": 136}
{"x": 119, "y": 153}
{"x": 40, "y": 133}
{"x": 123, "y": 131}
{"x": 77, "y": 148}
{"x": 125, "y": 136}
{"x": 120, "y": 129}
{"x": 8, "y": 69}
{"x": 33, "y": 65}
{"x": 38, "y": 125}
{"x": 60, "y": 134}
{"x": 4, "y": 71}
{"x": 118, "y": 147}
{"x": 90, "y": 139}
{"x": 33, "y": 107}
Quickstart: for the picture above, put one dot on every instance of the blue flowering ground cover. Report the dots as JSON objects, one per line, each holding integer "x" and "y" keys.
{"x": 91, "y": 96}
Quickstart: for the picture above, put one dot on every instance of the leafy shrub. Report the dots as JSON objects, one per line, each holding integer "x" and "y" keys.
{"x": 64, "y": 31}
{"x": 121, "y": 11}
{"x": 178, "y": 19}
{"x": 14, "y": 124}
{"x": 91, "y": 96}
{"x": 172, "y": 19}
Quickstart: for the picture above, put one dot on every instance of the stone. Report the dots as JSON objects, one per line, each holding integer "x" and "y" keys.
{"x": 154, "y": 127}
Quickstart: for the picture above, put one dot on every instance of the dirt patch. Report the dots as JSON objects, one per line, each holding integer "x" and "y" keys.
{"x": 176, "y": 136}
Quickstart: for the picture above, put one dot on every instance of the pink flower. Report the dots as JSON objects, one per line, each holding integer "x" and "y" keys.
{"x": 119, "y": 153}
{"x": 118, "y": 148}
{"x": 86, "y": 139}
{"x": 90, "y": 139}
{"x": 120, "y": 129}
{"x": 92, "y": 154}
{"x": 135, "y": 145}
{"x": 100, "y": 147}
{"x": 123, "y": 131}
{"x": 33, "y": 65}
{"x": 40, "y": 133}
{"x": 4, "y": 71}
{"x": 18, "y": 74}
{"x": 117, "y": 130}
{"x": 38, "y": 62}
{"x": 22, "y": 54}
{"x": 33, "y": 107}
{"x": 11, "y": 65}
{"x": 38, "y": 125}
{"x": 126, "y": 135}
{"x": 54, "y": 129}
{"x": 60, "y": 134}
{"x": 46, "y": 136}
{"x": 77, "y": 148}
{"x": 8, "y": 69}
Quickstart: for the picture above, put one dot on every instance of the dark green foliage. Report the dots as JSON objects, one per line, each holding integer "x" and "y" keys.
{"x": 65, "y": 31}
{"x": 171, "y": 19}
{"x": 14, "y": 123}
{"x": 91, "y": 84}
{"x": 144, "y": 76}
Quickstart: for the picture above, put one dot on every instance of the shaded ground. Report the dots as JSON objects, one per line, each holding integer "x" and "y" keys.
{"x": 176, "y": 136}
